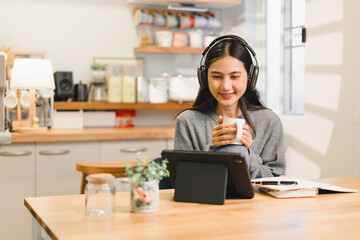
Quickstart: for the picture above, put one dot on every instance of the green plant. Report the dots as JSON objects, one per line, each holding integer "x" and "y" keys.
{"x": 140, "y": 173}
{"x": 97, "y": 66}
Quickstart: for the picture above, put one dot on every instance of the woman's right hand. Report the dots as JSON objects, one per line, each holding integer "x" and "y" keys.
{"x": 223, "y": 134}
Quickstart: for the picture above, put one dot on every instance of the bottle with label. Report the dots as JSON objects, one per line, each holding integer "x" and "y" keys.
{"x": 129, "y": 89}
{"x": 114, "y": 89}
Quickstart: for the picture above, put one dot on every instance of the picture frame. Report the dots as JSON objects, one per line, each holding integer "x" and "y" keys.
{"x": 122, "y": 66}
{"x": 20, "y": 54}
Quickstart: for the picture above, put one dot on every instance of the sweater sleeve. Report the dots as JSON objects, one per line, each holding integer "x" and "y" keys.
{"x": 270, "y": 160}
{"x": 182, "y": 139}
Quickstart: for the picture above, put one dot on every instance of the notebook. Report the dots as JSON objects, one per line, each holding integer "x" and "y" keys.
{"x": 305, "y": 192}
{"x": 286, "y": 187}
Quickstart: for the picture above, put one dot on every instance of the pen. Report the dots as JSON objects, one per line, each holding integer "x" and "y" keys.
{"x": 276, "y": 182}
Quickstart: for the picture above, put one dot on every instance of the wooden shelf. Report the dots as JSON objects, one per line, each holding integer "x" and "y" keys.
{"x": 119, "y": 106}
{"x": 156, "y": 49}
{"x": 198, "y": 3}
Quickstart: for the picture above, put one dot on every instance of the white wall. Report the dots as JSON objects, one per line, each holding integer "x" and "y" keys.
{"x": 72, "y": 32}
{"x": 325, "y": 135}
{"x": 325, "y": 139}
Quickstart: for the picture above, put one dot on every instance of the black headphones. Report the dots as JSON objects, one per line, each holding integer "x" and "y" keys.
{"x": 254, "y": 68}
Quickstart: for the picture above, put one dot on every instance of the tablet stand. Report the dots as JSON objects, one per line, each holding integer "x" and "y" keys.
{"x": 201, "y": 182}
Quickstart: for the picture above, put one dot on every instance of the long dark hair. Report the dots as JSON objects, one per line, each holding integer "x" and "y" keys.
{"x": 250, "y": 101}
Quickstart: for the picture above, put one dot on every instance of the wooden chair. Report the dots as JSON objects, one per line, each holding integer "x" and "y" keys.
{"x": 117, "y": 169}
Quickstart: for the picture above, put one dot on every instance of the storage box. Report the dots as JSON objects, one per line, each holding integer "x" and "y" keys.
{"x": 125, "y": 118}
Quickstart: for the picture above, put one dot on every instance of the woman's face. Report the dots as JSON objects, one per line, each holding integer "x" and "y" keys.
{"x": 227, "y": 78}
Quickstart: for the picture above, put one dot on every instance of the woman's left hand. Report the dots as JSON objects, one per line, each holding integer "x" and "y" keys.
{"x": 246, "y": 137}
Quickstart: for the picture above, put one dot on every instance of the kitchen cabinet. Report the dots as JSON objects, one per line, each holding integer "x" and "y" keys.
{"x": 17, "y": 181}
{"x": 56, "y": 166}
{"x": 113, "y": 151}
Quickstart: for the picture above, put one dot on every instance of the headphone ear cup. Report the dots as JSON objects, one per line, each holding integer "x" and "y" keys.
{"x": 254, "y": 77}
{"x": 202, "y": 76}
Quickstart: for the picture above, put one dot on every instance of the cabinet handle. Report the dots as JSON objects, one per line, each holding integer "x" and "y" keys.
{"x": 133, "y": 150}
{"x": 15, "y": 154}
{"x": 54, "y": 152}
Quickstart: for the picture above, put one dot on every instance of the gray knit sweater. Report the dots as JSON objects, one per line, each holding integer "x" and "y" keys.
{"x": 267, "y": 158}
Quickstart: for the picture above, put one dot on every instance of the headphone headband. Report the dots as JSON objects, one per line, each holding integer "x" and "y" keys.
{"x": 221, "y": 38}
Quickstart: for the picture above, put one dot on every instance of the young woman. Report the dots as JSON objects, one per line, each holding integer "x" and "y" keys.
{"x": 227, "y": 89}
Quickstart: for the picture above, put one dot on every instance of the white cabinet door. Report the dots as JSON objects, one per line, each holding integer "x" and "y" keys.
{"x": 56, "y": 166}
{"x": 17, "y": 181}
{"x": 111, "y": 151}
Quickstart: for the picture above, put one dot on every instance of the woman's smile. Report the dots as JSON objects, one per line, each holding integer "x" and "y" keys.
{"x": 227, "y": 95}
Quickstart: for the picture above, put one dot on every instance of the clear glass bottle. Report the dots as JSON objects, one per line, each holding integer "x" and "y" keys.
{"x": 100, "y": 194}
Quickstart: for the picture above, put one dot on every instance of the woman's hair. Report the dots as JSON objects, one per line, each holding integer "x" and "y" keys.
{"x": 205, "y": 101}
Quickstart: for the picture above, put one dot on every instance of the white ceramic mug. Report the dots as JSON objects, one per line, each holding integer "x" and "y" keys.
{"x": 163, "y": 38}
{"x": 196, "y": 38}
{"x": 25, "y": 99}
{"x": 171, "y": 21}
{"x": 10, "y": 101}
{"x": 200, "y": 21}
{"x": 239, "y": 124}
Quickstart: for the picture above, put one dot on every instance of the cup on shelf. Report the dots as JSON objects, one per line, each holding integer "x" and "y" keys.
{"x": 142, "y": 17}
{"x": 180, "y": 39}
{"x": 159, "y": 19}
{"x": 185, "y": 20}
{"x": 163, "y": 38}
{"x": 171, "y": 21}
{"x": 196, "y": 38}
{"x": 158, "y": 90}
{"x": 213, "y": 22}
{"x": 200, "y": 21}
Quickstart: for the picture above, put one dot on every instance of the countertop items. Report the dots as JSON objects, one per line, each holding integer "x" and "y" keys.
{"x": 263, "y": 217}
{"x": 96, "y": 134}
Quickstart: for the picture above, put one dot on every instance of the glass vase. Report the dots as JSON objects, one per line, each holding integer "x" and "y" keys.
{"x": 144, "y": 197}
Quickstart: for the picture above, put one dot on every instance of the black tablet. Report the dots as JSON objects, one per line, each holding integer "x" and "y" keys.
{"x": 238, "y": 179}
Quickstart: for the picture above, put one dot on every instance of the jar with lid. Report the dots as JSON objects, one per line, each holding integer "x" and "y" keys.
{"x": 100, "y": 194}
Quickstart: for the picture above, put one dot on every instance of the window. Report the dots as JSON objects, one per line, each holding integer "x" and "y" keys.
{"x": 294, "y": 36}
{"x": 294, "y": 57}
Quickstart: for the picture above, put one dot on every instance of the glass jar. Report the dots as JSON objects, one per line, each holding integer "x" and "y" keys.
{"x": 100, "y": 194}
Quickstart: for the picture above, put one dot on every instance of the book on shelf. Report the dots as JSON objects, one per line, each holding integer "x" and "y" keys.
{"x": 287, "y": 187}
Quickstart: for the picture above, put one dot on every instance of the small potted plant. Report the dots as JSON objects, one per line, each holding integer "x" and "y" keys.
{"x": 144, "y": 183}
{"x": 98, "y": 72}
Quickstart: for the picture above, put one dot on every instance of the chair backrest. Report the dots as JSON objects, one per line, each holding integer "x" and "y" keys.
{"x": 117, "y": 169}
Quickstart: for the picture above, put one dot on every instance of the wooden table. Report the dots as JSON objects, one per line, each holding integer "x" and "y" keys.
{"x": 328, "y": 216}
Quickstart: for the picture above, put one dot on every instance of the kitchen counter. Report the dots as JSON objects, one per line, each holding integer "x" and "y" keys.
{"x": 96, "y": 134}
